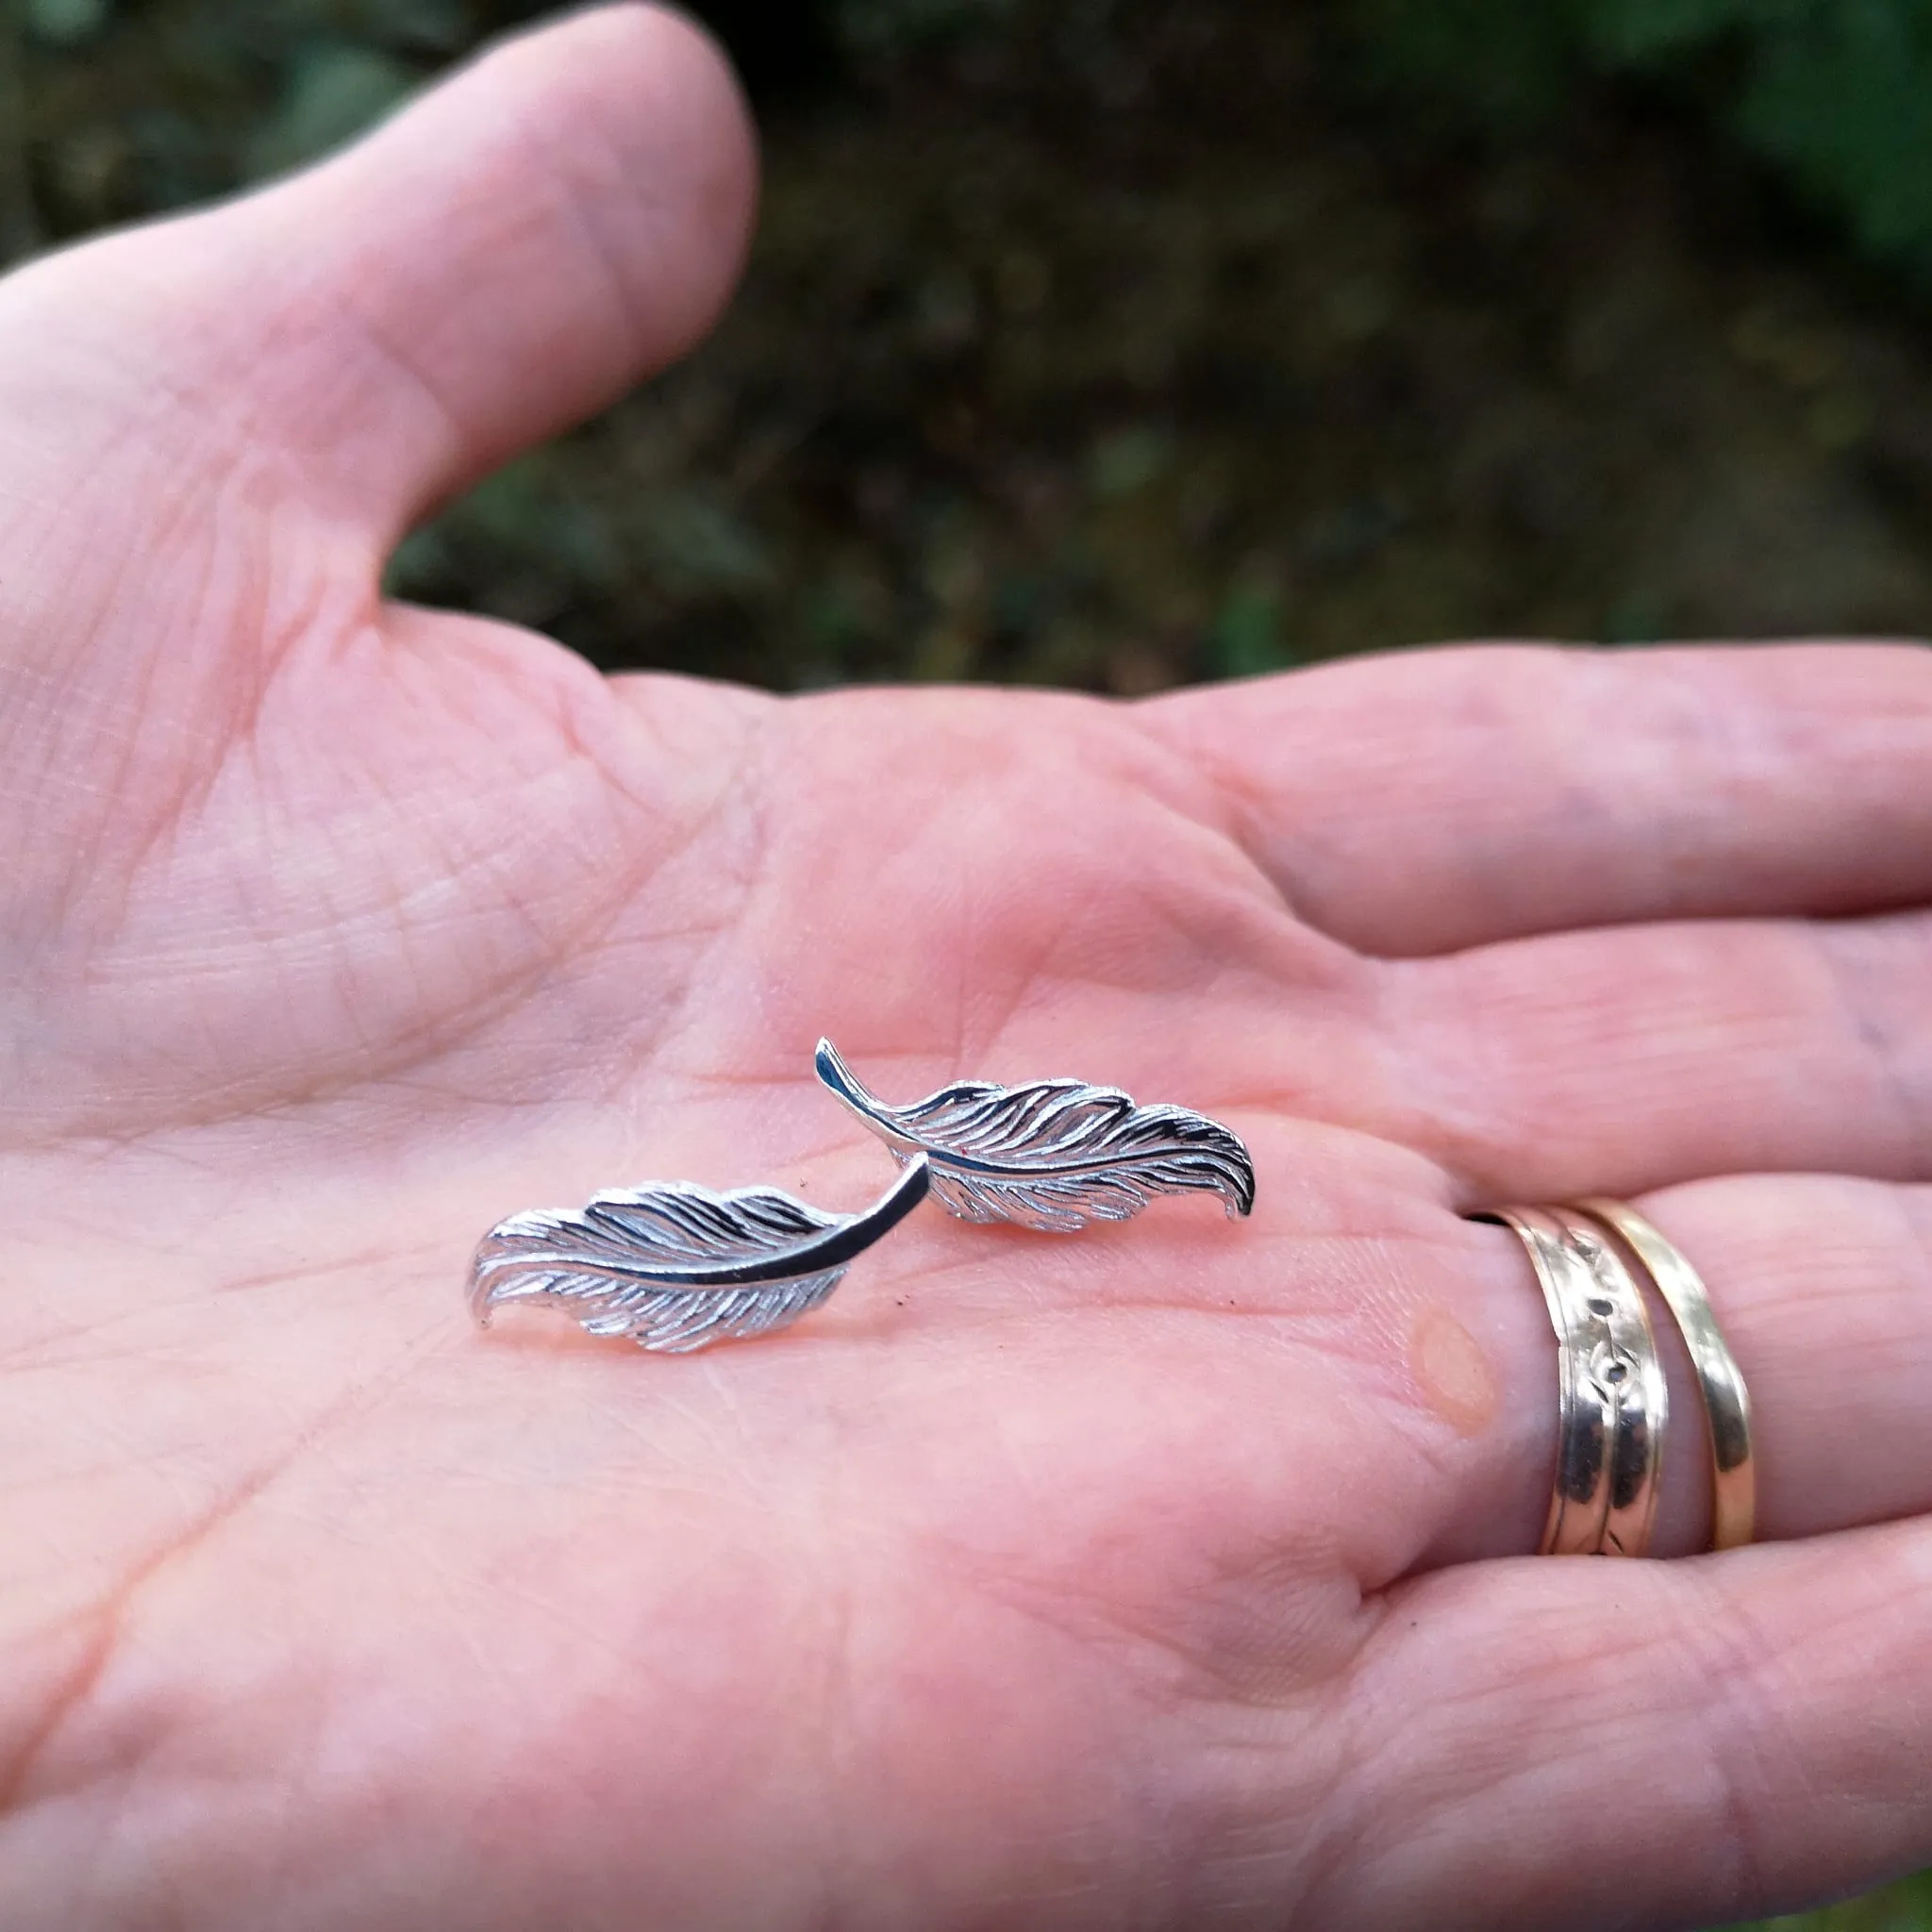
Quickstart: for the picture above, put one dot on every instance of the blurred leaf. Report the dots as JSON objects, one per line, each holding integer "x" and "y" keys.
{"x": 1836, "y": 94}
{"x": 1903, "y": 1908}
{"x": 512, "y": 507}
{"x": 1128, "y": 460}
{"x": 1246, "y": 639}
{"x": 419, "y": 566}
{"x": 66, "y": 23}
{"x": 886, "y": 26}
{"x": 1636, "y": 30}
{"x": 1843, "y": 100}
{"x": 334, "y": 93}
{"x": 1499, "y": 65}
{"x": 19, "y": 225}
{"x": 697, "y": 546}
{"x": 430, "y": 26}
{"x": 1637, "y": 618}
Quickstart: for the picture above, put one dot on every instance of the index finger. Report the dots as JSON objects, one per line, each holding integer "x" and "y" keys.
{"x": 1425, "y": 803}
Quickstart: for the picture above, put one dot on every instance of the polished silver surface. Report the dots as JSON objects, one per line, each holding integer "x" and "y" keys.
{"x": 1053, "y": 1155}
{"x": 677, "y": 1267}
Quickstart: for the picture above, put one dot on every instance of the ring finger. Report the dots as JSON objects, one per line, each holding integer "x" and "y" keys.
{"x": 1823, "y": 1289}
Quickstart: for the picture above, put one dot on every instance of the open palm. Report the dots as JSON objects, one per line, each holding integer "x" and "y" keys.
{"x": 1156, "y": 1577}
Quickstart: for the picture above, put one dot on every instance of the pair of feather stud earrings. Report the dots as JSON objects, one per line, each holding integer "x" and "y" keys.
{"x": 677, "y": 1267}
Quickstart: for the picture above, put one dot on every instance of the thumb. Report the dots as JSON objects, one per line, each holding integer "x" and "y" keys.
{"x": 556, "y": 220}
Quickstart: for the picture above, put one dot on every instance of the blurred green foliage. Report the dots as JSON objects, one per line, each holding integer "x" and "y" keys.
{"x": 891, "y": 26}
{"x": 1903, "y": 1908}
{"x": 1120, "y": 342}
{"x": 1836, "y": 95}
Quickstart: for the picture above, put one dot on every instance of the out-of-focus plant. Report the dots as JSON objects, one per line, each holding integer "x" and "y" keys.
{"x": 888, "y": 27}
{"x": 1836, "y": 95}
{"x": 1903, "y": 1908}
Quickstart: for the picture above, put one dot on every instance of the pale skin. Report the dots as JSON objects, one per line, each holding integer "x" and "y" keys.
{"x": 1172, "y": 1576}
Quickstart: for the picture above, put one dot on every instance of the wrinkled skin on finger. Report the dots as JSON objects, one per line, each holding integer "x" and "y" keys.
{"x": 1122, "y": 1580}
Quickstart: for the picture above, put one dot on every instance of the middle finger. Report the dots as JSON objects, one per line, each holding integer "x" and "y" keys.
{"x": 1615, "y": 1060}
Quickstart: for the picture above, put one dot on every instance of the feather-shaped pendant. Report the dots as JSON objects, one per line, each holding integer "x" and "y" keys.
{"x": 1053, "y": 1154}
{"x": 677, "y": 1267}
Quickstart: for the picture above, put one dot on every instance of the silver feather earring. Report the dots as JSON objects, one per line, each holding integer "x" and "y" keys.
{"x": 1053, "y": 1155}
{"x": 677, "y": 1267}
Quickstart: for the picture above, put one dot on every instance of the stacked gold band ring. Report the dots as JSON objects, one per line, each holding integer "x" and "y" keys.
{"x": 1727, "y": 1404}
{"x": 1613, "y": 1405}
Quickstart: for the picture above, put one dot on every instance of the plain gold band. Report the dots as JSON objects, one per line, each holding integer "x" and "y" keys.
{"x": 1612, "y": 1402}
{"x": 1727, "y": 1402}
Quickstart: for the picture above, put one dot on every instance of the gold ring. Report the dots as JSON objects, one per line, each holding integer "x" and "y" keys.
{"x": 1726, "y": 1403}
{"x": 1612, "y": 1404}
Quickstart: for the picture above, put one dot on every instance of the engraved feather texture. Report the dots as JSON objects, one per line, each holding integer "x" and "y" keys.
{"x": 1053, "y": 1155}
{"x": 677, "y": 1267}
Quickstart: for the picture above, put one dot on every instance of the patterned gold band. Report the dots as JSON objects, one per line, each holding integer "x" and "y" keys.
{"x": 1613, "y": 1405}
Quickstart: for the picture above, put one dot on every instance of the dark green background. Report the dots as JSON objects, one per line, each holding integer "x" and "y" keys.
{"x": 1117, "y": 344}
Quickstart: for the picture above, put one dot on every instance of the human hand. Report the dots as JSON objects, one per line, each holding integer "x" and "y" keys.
{"x": 1156, "y": 1577}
